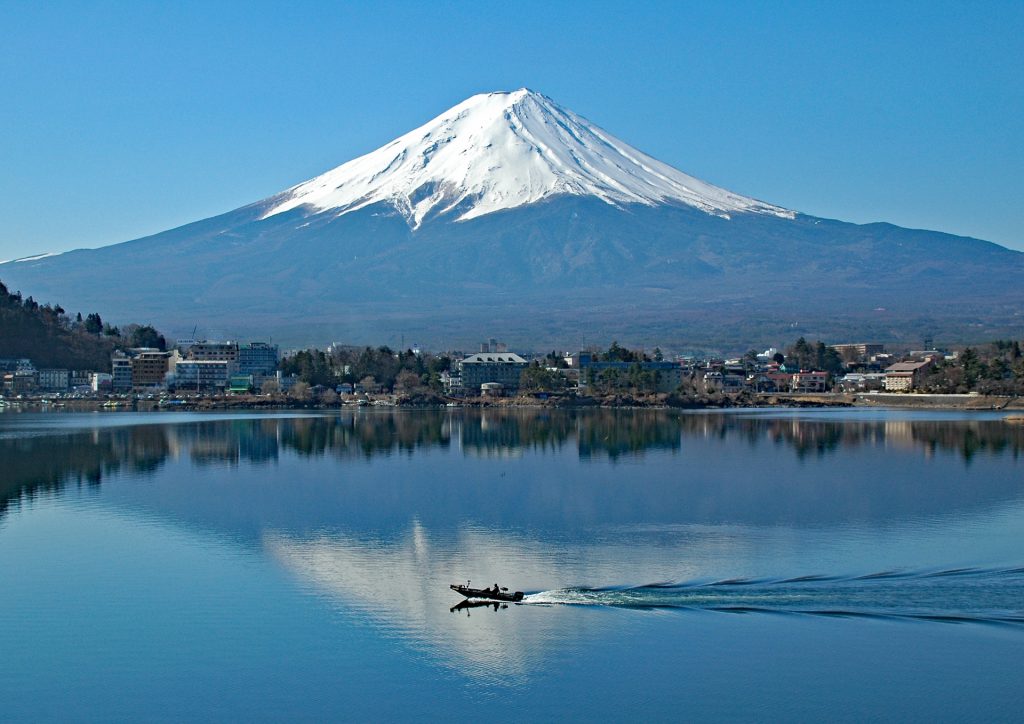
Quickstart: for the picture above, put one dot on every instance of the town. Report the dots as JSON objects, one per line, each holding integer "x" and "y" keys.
{"x": 258, "y": 373}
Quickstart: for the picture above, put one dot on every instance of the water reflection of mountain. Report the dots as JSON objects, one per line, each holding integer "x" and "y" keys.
{"x": 47, "y": 462}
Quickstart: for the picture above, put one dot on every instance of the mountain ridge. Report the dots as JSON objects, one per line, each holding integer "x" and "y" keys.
{"x": 548, "y": 271}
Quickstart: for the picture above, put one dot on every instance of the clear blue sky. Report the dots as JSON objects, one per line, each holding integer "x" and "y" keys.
{"x": 121, "y": 119}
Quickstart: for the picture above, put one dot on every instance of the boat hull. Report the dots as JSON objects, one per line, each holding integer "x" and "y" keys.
{"x": 487, "y": 594}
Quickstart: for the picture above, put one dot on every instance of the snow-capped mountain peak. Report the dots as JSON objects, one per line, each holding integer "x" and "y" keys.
{"x": 498, "y": 151}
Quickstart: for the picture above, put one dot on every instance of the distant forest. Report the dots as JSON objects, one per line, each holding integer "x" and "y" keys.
{"x": 50, "y": 337}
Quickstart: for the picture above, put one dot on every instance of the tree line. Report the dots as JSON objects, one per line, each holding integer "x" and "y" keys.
{"x": 373, "y": 367}
{"x": 996, "y": 368}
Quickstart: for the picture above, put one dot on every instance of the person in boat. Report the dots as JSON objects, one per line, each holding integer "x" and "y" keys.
{"x": 496, "y": 590}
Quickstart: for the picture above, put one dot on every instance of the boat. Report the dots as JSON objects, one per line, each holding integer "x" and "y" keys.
{"x": 489, "y": 594}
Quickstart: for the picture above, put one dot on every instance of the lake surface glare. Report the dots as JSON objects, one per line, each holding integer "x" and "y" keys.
{"x": 755, "y": 565}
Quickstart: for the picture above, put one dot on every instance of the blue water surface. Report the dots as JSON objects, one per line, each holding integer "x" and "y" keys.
{"x": 722, "y": 566}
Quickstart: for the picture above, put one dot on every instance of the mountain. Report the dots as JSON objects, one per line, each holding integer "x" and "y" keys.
{"x": 511, "y": 216}
{"x": 502, "y": 151}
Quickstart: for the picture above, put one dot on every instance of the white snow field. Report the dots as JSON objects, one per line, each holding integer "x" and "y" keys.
{"x": 498, "y": 151}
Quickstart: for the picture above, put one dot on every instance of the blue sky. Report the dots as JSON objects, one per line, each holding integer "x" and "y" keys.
{"x": 119, "y": 120}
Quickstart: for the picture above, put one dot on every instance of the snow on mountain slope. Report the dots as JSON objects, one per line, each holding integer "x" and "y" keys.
{"x": 499, "y": 151}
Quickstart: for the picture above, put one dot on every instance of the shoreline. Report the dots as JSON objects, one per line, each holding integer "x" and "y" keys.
{"x": 895, "y": 401}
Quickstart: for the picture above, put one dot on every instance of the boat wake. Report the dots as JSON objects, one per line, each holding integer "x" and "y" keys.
{"x": 955, "y": 595}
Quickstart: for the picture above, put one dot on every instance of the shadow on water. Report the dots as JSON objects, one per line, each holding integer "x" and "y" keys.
{"x": 46, "y": 463}
{"x": 469, "y": 604}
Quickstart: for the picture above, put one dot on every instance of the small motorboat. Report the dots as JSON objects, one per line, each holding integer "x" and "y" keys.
{"x": 490, "y": 594}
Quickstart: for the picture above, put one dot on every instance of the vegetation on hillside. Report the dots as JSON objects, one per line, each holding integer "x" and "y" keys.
{"x": 50, "y": 337}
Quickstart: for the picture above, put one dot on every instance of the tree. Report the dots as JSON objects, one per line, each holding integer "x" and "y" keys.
{"x": 407, "y": 381}
{"x": 801, "y": 355}
{"x": 329, "y": 397}
{"x": 299, "y": 391}
{"x": 93, "y": 324}
{"x": 537, "y": 378}
{"x": 970, "y": 364}
{"x": 827, "y": 359}
{"x": 145, "y": 336}
{"x": 312, "y": 367}
{"x": 616, "y": 353}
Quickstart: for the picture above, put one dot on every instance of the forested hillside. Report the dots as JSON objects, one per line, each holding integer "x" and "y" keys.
{"x": 50, "y": 337}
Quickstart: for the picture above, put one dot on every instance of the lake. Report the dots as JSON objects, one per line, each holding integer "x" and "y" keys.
{"x": 750, "y": 565}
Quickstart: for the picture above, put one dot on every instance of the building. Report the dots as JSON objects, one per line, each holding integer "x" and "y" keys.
{"x": 503, "y": 367}
{"x": 194, "y": 374}
{"x": 492, "y": 389}
{"x": 712, "y": 380}
{"x": 258, "y": 359}
{"x": 452, "y": 383}
{"x": 214, "y": 352}
{"x": 862, "y": 381}
{"x": 905, "y": 376}
{"x": 779, "y": 381}
{"x": 81, "y": 378}
{"x": 493, "y": 346}
{"x": 121, "y": 372}
{"x": 149, "y": 368}
{"x": 814, "y": 381}
{"x": 101, "y": 382}
{"x": 54, "y": 380}
{"x": 21, "y": 364}
{"x": 669, "y": 375}
{"x": 857, "y": 350}
{"x": 20, "y": 381}
{"x": 240, "y": 384}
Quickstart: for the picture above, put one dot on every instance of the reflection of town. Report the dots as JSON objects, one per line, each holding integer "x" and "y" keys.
{"x": 47, "y": 462}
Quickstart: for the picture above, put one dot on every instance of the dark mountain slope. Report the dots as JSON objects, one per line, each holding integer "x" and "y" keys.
{"x": 566, "y": 266}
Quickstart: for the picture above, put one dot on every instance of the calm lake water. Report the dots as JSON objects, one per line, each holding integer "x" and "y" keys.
{"x": 763, "y": 565}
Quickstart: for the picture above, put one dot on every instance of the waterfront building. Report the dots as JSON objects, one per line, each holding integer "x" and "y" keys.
{"x": 20, "y": 381}
{"x": 905, "y": 376}
{"x": 53, "y": 380}
{"x": 121, "y": 372}
{"x": 193, "y": 374}
{"x": 214, "y": 351}
{"x": 257, "y": 359}
{"x": 862, "y": 381}
{"x": 81, "y": 378}
{"x": 149, "y": 368}
{"x": 809, "y": 381}
{"x": 669, "y": 375}
{"x": 503, "y": 367}
{"x": 452, "y": 383}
